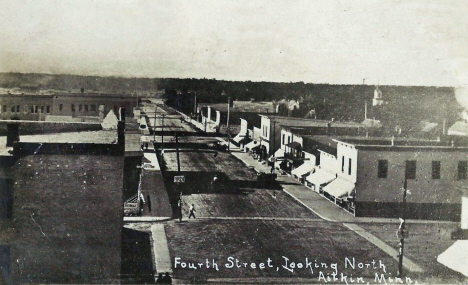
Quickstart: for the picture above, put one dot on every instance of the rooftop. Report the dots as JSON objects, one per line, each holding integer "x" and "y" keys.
{"x": 382, "y": 142}
{"x": 243, "y": 107}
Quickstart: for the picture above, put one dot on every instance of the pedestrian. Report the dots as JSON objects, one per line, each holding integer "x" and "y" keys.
{"x": 160, "y": 279}
{"x": 167, "y": 279}
{"x": 192, "y": 211}
{"x": 179, "y": 208}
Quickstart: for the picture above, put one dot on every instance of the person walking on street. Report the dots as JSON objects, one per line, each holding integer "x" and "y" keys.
{"x": 192, "y": 211}
{"x": 179, "y": 208}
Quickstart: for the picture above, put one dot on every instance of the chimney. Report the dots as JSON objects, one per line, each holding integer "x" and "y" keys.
{"x": 12, "y": 134}
{"x": 121, "y": 137}
{"x": 101, "y": 113}
{"x": 122, "y": 114}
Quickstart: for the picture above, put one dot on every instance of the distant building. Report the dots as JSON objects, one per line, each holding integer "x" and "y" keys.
{"x": 378, "y": 97}
{"x": 271, "y": 125}
{"x": 62, "y": 214}
{"x": 77, "y": 105}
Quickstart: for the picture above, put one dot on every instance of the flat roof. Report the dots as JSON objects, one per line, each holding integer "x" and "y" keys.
{"x": 402, "y": 143}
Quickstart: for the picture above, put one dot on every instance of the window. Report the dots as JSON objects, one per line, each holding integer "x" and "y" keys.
{"x": 342, "y": 164}
{"x": 32, "y": 109}
{"x": 18, "y": 108}
{"x": 73, "y": 107}
{"x": 410, "y": 169}
{"x": 25, "y": 110}
{"x": 349, "y": 167}
{"x": 42, "y": 109}
{"x": 462, "y": 167}
{"x": 48, "y": 110}
{"x": 12, "y": 109}
{"x": 93, "y": 108}
{"x": 436, "y": 170}
{"x": 61, "y": 107}
{"x": 36, "y": 109}
{"x": 86, "y": 108}
{"x": 383, "y": 169}
{"x": 4, "y": 108}
{"x": 80, "y": 108}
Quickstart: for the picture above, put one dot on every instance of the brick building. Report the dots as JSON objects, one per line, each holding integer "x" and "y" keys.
{"x": 63, "y": 217}
{"x": 373, "y": 172}
{"x": 38, "y": 107}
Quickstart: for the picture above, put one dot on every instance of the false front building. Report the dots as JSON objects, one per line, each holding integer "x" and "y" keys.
{"x": 371, "y": 174}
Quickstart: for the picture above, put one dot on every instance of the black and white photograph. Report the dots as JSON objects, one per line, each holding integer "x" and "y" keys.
{"x": 233, "y": 142}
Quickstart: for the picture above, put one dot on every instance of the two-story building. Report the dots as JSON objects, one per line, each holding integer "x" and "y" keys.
{"x": 371, "y": 174}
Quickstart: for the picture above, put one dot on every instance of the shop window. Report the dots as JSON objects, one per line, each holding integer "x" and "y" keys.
{"x": 349, "y": 167}
{"x": 436, "y": 170}
{"x": 383, "y": 169}
{"x": 462, "y": 168}
{"x": 410, "y": 169}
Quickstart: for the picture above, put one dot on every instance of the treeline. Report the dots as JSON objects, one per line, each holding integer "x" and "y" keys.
{"x": 406, "y": 105}
{"x": 32, "y": 81}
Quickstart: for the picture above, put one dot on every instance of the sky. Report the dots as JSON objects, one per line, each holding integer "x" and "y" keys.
{"x": 339, "y": 42}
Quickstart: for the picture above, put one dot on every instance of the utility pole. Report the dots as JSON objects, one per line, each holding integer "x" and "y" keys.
{"x": 177, "y": 150}
{"x": 162, "y": 135}
{"x": 228, "y": 130}
{"x": 402, "y": 231}
{"x": 154, "y": 126}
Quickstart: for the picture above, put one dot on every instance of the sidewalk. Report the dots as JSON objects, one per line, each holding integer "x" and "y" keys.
{"x": 318, "y": 204}
{"x": 329, "y": 211}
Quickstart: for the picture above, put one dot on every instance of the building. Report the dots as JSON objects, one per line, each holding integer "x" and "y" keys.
{"x": 271, "y": 136}
{"x": 373, "y": 173}
{"x": 63, "y": 105}
{"x": 62, "y": 218}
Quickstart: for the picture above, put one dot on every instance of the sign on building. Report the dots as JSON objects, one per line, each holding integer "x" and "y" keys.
{"x": 179, "y": 179}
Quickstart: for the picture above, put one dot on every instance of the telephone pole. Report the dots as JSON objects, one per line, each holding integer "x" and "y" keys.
{"x": 228, "y": 130}
{"x": 402, "y": 231}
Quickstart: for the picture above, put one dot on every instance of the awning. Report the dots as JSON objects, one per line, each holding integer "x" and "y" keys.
{"x": 455, "y": 257}
{"x": 237, "y": 138}
{"x": 302, "y": 170}
{"x": 294, "y": 145}
{"x": 320, "y": 177}
{"x": 339, "y": 188}
{"x": 245, "y": 140}
{"x": 252, "y": 145}
{"x": 279, "y": 154}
